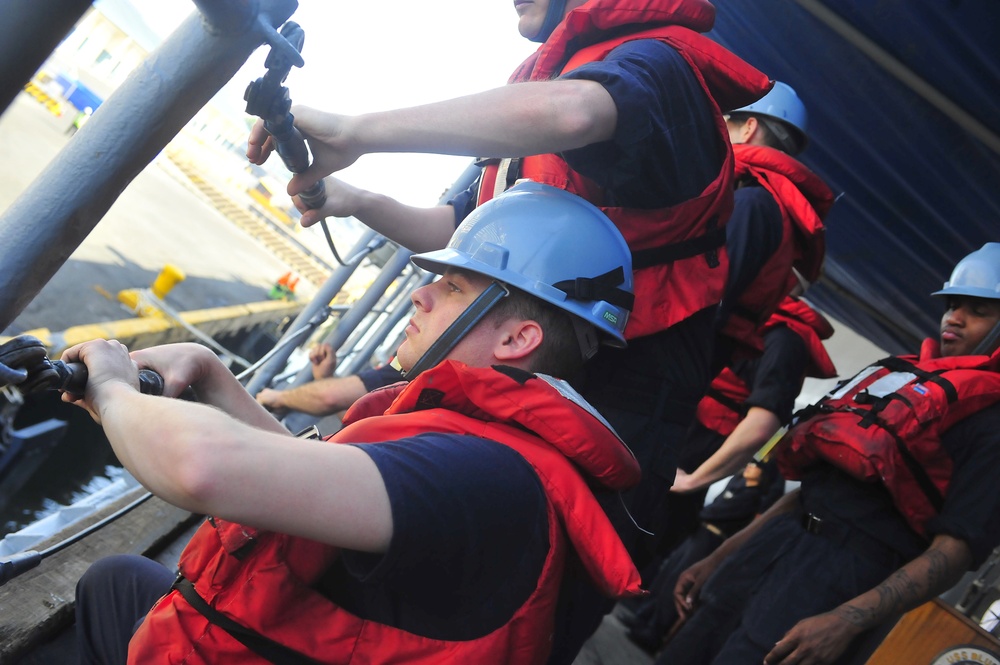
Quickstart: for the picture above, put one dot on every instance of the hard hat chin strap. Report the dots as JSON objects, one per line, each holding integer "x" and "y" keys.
{"x": 989, "y": 343}
{"x": 465, "y": 322}
{"x": 553, "y": 16}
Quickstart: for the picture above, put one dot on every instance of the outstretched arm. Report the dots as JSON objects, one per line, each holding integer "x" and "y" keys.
{"x": 511, "y": 121}
{"x": 415, "y": 228}
{"x": 202, "y": 459}
{"x": 823, "y": 638}
{"x": 735, "y": 452}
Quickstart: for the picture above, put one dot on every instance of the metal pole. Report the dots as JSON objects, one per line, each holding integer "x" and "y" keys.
{"x": 323, "y": 297}
{"x": 388, "y": 302}
{"x": 63, "y": 205}
{"x": 29, "y": 32}
{"x": 385, "y": 327}
{"x": 349, "y": 321}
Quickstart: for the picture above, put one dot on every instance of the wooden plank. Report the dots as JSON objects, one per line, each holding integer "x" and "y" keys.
{"x": 926, "y": 632}
{"x": 39, "y": 603}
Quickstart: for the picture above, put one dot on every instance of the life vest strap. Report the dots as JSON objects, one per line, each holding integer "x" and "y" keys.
{"x": 707, "y": 244}
{"x": 726, "y": 401}
{"x": 265, "y": 648}
{"x": 896, "y": 364}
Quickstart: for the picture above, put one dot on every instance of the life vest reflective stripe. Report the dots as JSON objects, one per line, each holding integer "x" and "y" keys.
{"x": 804, "y": 200}
{"x": 885, "y": 426}
{"x": 263, "y": 580}
{"x": 679, "y": 259}
{"x": 723, "y": 406}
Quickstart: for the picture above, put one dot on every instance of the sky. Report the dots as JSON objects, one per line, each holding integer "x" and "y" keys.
{"x": 372, "y": 56}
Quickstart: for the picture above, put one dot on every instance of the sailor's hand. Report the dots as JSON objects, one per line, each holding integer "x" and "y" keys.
{"x": 329, "y": 138}
{"x": 260, "y": 144}
{"x": 342, "y": 200}
{"x": 270, "y": 399}
{"x": 683, "y": 483}
{"x": 323, "y": 359}
{"x": 814, "y": 641}
{"x": 689, "y": 585}
{"x": 109, "y": 366}
{"x": 180, "y": 365}
{"x": 332, "y": 142}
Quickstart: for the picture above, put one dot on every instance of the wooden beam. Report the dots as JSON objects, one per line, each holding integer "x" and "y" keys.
{"x": 37, "y": 605}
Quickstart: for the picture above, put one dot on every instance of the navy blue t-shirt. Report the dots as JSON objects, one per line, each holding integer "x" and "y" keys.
{"x": 774, "y": 379}
{"x": 665, "y": 147}
{"x": 470, "y": 536}
{"x": 375, "y": 378}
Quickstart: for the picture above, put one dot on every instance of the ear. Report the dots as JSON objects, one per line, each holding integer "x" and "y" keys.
{"x": 518, "y": 339}
{"x": 749, "y": 129}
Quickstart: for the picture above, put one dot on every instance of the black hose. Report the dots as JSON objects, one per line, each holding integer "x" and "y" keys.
{"x": 22, "y": 562}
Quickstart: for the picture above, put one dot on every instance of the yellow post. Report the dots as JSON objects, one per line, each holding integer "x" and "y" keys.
{"x": 168, "y": 278}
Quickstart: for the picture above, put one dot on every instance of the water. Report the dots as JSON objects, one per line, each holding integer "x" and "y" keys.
{"x": 79, "y": 464}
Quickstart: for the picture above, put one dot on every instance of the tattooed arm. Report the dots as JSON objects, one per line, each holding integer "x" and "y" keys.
{"x": 823, "y": 638}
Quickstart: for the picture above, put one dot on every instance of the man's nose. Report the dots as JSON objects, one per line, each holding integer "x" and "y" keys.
{"x": 421, "y": 297}
{"x": 955, "y": 316}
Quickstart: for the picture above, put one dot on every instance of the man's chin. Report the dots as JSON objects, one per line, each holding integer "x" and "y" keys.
{"x": 952, "y": 349}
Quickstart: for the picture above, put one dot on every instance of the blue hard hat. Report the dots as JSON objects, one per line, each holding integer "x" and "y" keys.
{"x": 977, "y": 275}
{"x": 781, "y": 103}
{"x": 552, "y": 245}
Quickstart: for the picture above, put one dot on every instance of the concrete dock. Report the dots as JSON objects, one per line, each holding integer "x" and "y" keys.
{"x": 157, "y": 220}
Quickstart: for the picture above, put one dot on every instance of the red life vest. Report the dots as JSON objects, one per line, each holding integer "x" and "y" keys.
{"x": 804, "y": 201}
{"x": 264, "y": 580}
{"x": 678, "y": 253}
{"x": 722, "y": 408}
{"x": 885, "y": 426}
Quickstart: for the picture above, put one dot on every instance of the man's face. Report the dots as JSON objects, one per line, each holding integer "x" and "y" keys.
{"x": 965, "y": 324}
{"x": 437, "y": 306}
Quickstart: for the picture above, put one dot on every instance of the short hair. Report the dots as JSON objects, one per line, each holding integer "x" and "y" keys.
{"x": 767, "y": 135}
{"x": 559, "y": 353}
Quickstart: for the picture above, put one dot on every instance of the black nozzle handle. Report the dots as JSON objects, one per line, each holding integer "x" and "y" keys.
{"x": 73, "y": 379}
{"x": 291, "y": 147}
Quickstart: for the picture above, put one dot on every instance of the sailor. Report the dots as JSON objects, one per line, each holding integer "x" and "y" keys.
{"x": 777, "y": 222}
{"x": 745, "y": 406}
{"x": 327, "y": 394}
{"x": 898, "y": 498}
{"x": 438, "y": 530}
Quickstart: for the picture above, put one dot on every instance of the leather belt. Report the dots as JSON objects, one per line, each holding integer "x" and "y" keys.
{"x": 853, "y": 539}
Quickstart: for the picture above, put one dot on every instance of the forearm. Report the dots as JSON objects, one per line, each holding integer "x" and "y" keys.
{"x": 935, "y": 571}
{"x": 320, "y": 398}
{"x": 162, "y": 441}
{"x": 202, "y": 460}
{"x": 737, "y": 450}
{"x": 511, "y": 121}
{"x": 416, "y": 229}
{"x": 786, "y": 504}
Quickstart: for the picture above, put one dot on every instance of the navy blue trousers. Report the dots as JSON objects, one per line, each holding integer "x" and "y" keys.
{"x": 112, "y": 599}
